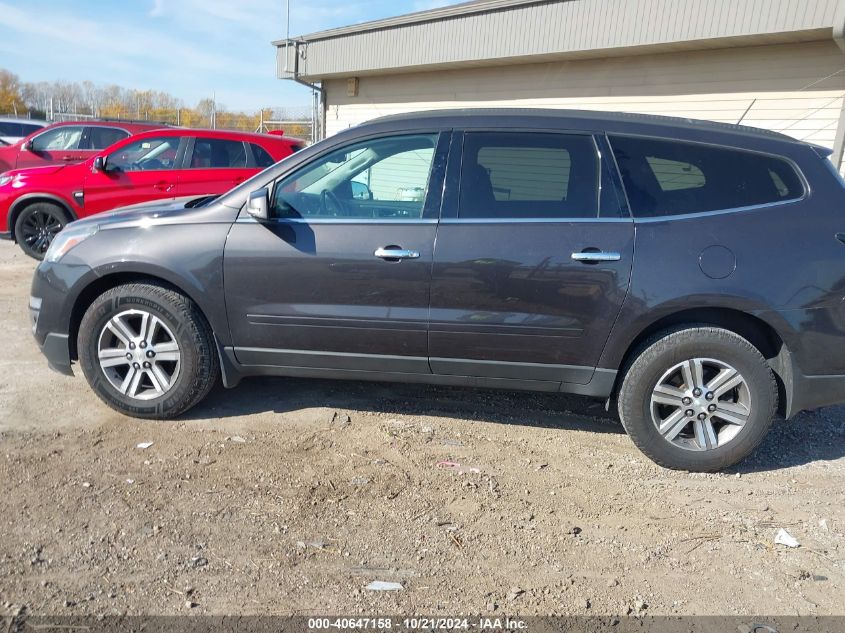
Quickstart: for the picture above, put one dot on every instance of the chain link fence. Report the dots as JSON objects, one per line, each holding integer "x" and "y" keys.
{"x": 298, "y": 122}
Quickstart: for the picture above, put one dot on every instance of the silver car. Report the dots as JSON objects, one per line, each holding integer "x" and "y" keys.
{"x": 12, "y": 130}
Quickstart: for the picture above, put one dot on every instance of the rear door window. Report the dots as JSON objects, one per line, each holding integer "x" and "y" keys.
{"x": 218, "y": 153}
{"x": 508, "y": 175}
{"x": 103, "y": 137}
{"x": 664, "y": 178}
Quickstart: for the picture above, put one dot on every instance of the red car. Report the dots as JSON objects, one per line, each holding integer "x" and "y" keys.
{"x": 36, "y": 203}
{"x": 67, "y": 143}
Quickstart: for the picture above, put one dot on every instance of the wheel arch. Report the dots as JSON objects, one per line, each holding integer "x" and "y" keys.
{"x": 32, "y": 198}
{"x": 105, "y": 283}
{"x": 760, "y": 333}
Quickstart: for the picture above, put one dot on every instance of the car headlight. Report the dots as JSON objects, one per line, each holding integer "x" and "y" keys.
{"x": 66, "y": 239}
{"x": 5, "y": 180}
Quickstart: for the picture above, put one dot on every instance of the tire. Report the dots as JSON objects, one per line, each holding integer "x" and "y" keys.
{"x": 706, "y": 354}
{"x": 116, "y": 339}
{"x": 37, "y": 225}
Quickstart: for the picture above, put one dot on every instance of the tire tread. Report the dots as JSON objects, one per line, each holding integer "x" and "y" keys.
{"x": 658, "y": 346}
{"x": 190, "y": 319}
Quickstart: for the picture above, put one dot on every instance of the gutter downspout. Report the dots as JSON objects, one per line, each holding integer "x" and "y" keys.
{"x": 839, "y": 38}
{"x": 318, "y": 135}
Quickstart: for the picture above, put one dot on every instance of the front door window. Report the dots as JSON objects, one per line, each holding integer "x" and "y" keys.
{"x": 148, "y": 154}
{"x": 385, "y": 178}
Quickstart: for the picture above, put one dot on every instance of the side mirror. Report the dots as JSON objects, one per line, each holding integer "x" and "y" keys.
{"x": 258, "y": 204}
{"x": 27, "y": 146}
{"x": 100, "y": 163}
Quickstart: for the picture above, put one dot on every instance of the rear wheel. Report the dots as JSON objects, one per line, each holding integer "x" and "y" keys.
{"x": 37, "y": 225}
{"x": 698, "y": 399}
{"x": 147, "y": 351}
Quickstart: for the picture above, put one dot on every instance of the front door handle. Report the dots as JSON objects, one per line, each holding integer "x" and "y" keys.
{"x": 595, "y": 256}
{"x": 841, "y": 237}
{"x": 163, "y": 186}
{"x": 395, "y": 253}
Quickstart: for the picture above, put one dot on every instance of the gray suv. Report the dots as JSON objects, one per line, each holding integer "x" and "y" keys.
{"x": 691, "y": 272}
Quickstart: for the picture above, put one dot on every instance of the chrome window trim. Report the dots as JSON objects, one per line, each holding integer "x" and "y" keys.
{"x": 111, "y": 127}
{"x": 251, "y": 220}
{"x": 689, "y": 216}
{"x": 533, "y": 220}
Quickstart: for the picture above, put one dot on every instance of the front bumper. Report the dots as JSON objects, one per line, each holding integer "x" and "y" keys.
{"x": 55, "y": 346}
{"x": 55, "y": 289}
{"x": 57, "y": 350}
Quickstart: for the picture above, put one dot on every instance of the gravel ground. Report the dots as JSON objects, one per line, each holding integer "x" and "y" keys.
{"x": 291, "y": 496}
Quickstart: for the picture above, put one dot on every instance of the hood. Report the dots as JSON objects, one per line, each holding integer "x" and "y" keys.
{"x": 146, "y": 214}
{"x": 45, "y": 170}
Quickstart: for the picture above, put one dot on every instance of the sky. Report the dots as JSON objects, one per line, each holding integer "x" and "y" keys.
{"x": 189, "y": 48}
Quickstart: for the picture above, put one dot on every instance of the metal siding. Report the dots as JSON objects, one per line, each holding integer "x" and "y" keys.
{"x": 558, "y": 28}
{"x": 718, "y": 85}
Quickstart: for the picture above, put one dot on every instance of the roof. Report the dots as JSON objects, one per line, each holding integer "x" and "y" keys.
{"x": 486, "y": 32}
{"x": 580, "y": 119}
{"x": 126, "y": 125}
{"x": 15, "y": 119}
{"x": 209, "y": 133}
{"x": 418, "y": 17}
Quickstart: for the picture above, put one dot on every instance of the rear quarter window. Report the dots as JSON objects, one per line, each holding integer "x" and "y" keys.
{"x": 665, "y": 178}
{"x": 261, "y": 156}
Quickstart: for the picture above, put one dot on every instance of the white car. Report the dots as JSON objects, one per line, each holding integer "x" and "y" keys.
{"x": 12, "y": 130}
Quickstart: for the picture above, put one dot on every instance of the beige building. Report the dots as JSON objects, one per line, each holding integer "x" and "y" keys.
{"x": 776, "y": 64}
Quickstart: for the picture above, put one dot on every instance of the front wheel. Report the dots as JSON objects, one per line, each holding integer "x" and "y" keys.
{"x": 698, "y": 399}
{"x": 37, "y": 225}
{"x": 147, "y": 351}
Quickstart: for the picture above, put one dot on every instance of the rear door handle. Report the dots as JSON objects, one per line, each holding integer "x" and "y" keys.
{"x": 594, "y": 257}
{"x": 395, "y": 253}
{"x": 163, "y": 186}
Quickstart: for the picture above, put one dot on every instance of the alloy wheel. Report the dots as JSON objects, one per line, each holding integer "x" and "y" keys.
{"x": 700, "y": 404}
{"x": 38, "y": 230}
{"x": 139, "y": 355}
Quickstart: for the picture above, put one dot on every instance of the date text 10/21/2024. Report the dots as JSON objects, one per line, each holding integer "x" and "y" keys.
{"x": 428, "y": 624}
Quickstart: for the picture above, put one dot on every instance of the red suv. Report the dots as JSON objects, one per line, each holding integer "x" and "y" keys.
{"x": 36, "y": 203}
{"x": 67, "y": 143}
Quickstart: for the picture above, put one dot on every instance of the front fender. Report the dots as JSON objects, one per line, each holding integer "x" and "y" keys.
{"x": 21, "y": 202}
{"x": 188, "y": 257}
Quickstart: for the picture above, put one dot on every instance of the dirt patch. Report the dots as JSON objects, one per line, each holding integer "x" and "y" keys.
{"x": 291, "y": 496}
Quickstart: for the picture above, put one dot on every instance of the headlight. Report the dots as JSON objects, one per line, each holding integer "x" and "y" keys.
{"x": 66, "y": 240}
{"x": 5, "y": 180}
